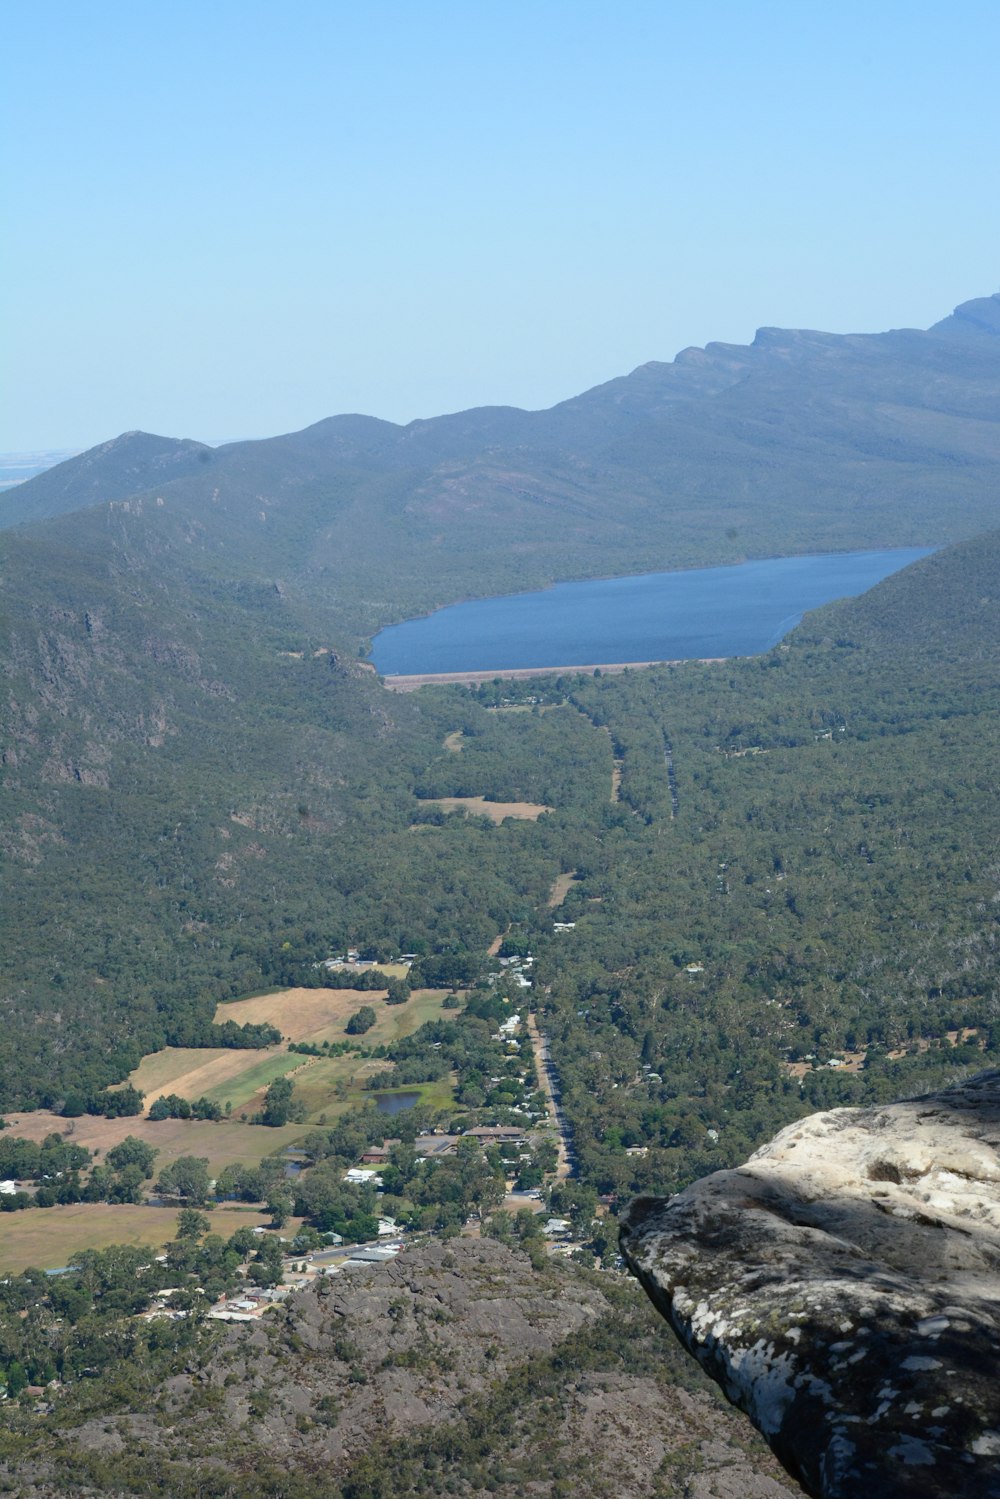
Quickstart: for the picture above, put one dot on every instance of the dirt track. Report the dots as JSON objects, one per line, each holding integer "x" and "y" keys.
{"x": 522, "y": 673}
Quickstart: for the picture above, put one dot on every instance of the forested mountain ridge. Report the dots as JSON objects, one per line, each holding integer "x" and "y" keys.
{"x": 799, "y": 441}
{"x": 202, "y": 798}
{"x": 110, "y": 471}
{"x": 947, "y": 605}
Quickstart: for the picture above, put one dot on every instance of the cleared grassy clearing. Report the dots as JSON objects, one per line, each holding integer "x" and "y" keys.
{"x": 49, "y": 1238}
{"x": 222, "y": 1075}
{"x": 561, "y": 887}
{"x": 327, "y": 1092}
{"x": 453, "y": 741}
{"x": 220, "y": 1143}
{"x": 478, "y": 806}
{"x": 392, "y": 970}
{"x": 439, "y": 1095}
{"x": 328, "y": 1086}
{"x": 242, "y": 1089}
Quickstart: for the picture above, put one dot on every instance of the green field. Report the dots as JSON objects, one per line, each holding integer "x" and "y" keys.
{"x": 159, "y": 1071}
{"x": 240, "y": 1090}
{"x": 437, "y": 1095}
{"x": 328, "y": 1086}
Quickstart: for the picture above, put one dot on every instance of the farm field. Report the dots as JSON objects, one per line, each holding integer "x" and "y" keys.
{"x": 329, "y": 1085}
{"x": 48, "y": 1238}
{"x": 221, "y": 1144}
{"x": 326, "y": 1085}
{"x": 223, "y": 1075}
{"x": 478, "y": 806}
{"x": 241, "y": 1078}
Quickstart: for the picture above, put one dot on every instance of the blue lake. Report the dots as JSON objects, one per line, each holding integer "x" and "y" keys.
{"x": 678, "y": 616}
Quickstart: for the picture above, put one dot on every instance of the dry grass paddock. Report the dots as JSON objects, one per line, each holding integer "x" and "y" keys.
{"x": 220, "y": 1144}
{"x": 49, "y": 1238}
{"x": 478, "y": 806}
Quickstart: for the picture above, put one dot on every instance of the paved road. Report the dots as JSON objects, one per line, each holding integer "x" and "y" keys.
{"x": 549, "y": 1081}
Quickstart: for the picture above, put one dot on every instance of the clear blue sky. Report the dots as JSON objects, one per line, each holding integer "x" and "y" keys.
{"x": 231, "y": 219}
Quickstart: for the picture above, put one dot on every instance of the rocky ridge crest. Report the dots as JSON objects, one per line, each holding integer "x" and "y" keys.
{"x": 843, "y": 1288}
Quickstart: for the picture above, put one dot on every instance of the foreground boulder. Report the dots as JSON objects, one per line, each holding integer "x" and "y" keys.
{"x": 843, "y": 1288}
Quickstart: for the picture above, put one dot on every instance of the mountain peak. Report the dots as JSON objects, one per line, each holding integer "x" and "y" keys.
{"x": 122, "y": 466}
{"x": 973, "y": 319}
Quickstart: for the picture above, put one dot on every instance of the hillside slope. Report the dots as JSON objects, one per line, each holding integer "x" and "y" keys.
{"x": 457, "y": 1369}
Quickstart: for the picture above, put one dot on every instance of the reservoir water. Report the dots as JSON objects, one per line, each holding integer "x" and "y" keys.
{"x": 675, "y": 616}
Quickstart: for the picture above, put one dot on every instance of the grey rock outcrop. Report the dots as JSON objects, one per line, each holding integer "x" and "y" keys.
{"x": 459, "y": 1368}
{"x": 843, "y": 1288}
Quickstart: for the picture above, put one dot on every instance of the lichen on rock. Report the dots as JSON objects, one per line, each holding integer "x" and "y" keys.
{"x": 843, "y": 1288}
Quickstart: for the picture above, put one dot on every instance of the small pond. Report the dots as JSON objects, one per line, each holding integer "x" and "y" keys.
{"x": 395, "y": 1103}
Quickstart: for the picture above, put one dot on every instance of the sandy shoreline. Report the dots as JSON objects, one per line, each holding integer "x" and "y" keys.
{"x": 521, "y": 673}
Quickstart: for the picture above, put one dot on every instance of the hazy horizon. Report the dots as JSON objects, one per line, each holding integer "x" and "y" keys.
{"x": 242, "y": 222}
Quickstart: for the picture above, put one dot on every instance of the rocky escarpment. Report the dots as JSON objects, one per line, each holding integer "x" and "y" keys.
{"x": 843, "y": 1288}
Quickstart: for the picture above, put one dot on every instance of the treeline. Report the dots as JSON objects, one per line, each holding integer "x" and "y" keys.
{"x": 172, "y": 1106}
{"x": 56, "y": 1165}
{"x": 247, "y": 1037}
{"x": 26, "y": 1160}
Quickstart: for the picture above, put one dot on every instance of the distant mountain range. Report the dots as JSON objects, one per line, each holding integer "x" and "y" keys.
{"x": 799, "y": 441}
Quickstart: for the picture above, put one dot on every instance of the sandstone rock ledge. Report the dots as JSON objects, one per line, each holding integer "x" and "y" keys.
{"x": 843, "y": 1288}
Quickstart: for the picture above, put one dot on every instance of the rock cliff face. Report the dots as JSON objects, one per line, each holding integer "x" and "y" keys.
{"x": 843, "y": 1288}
